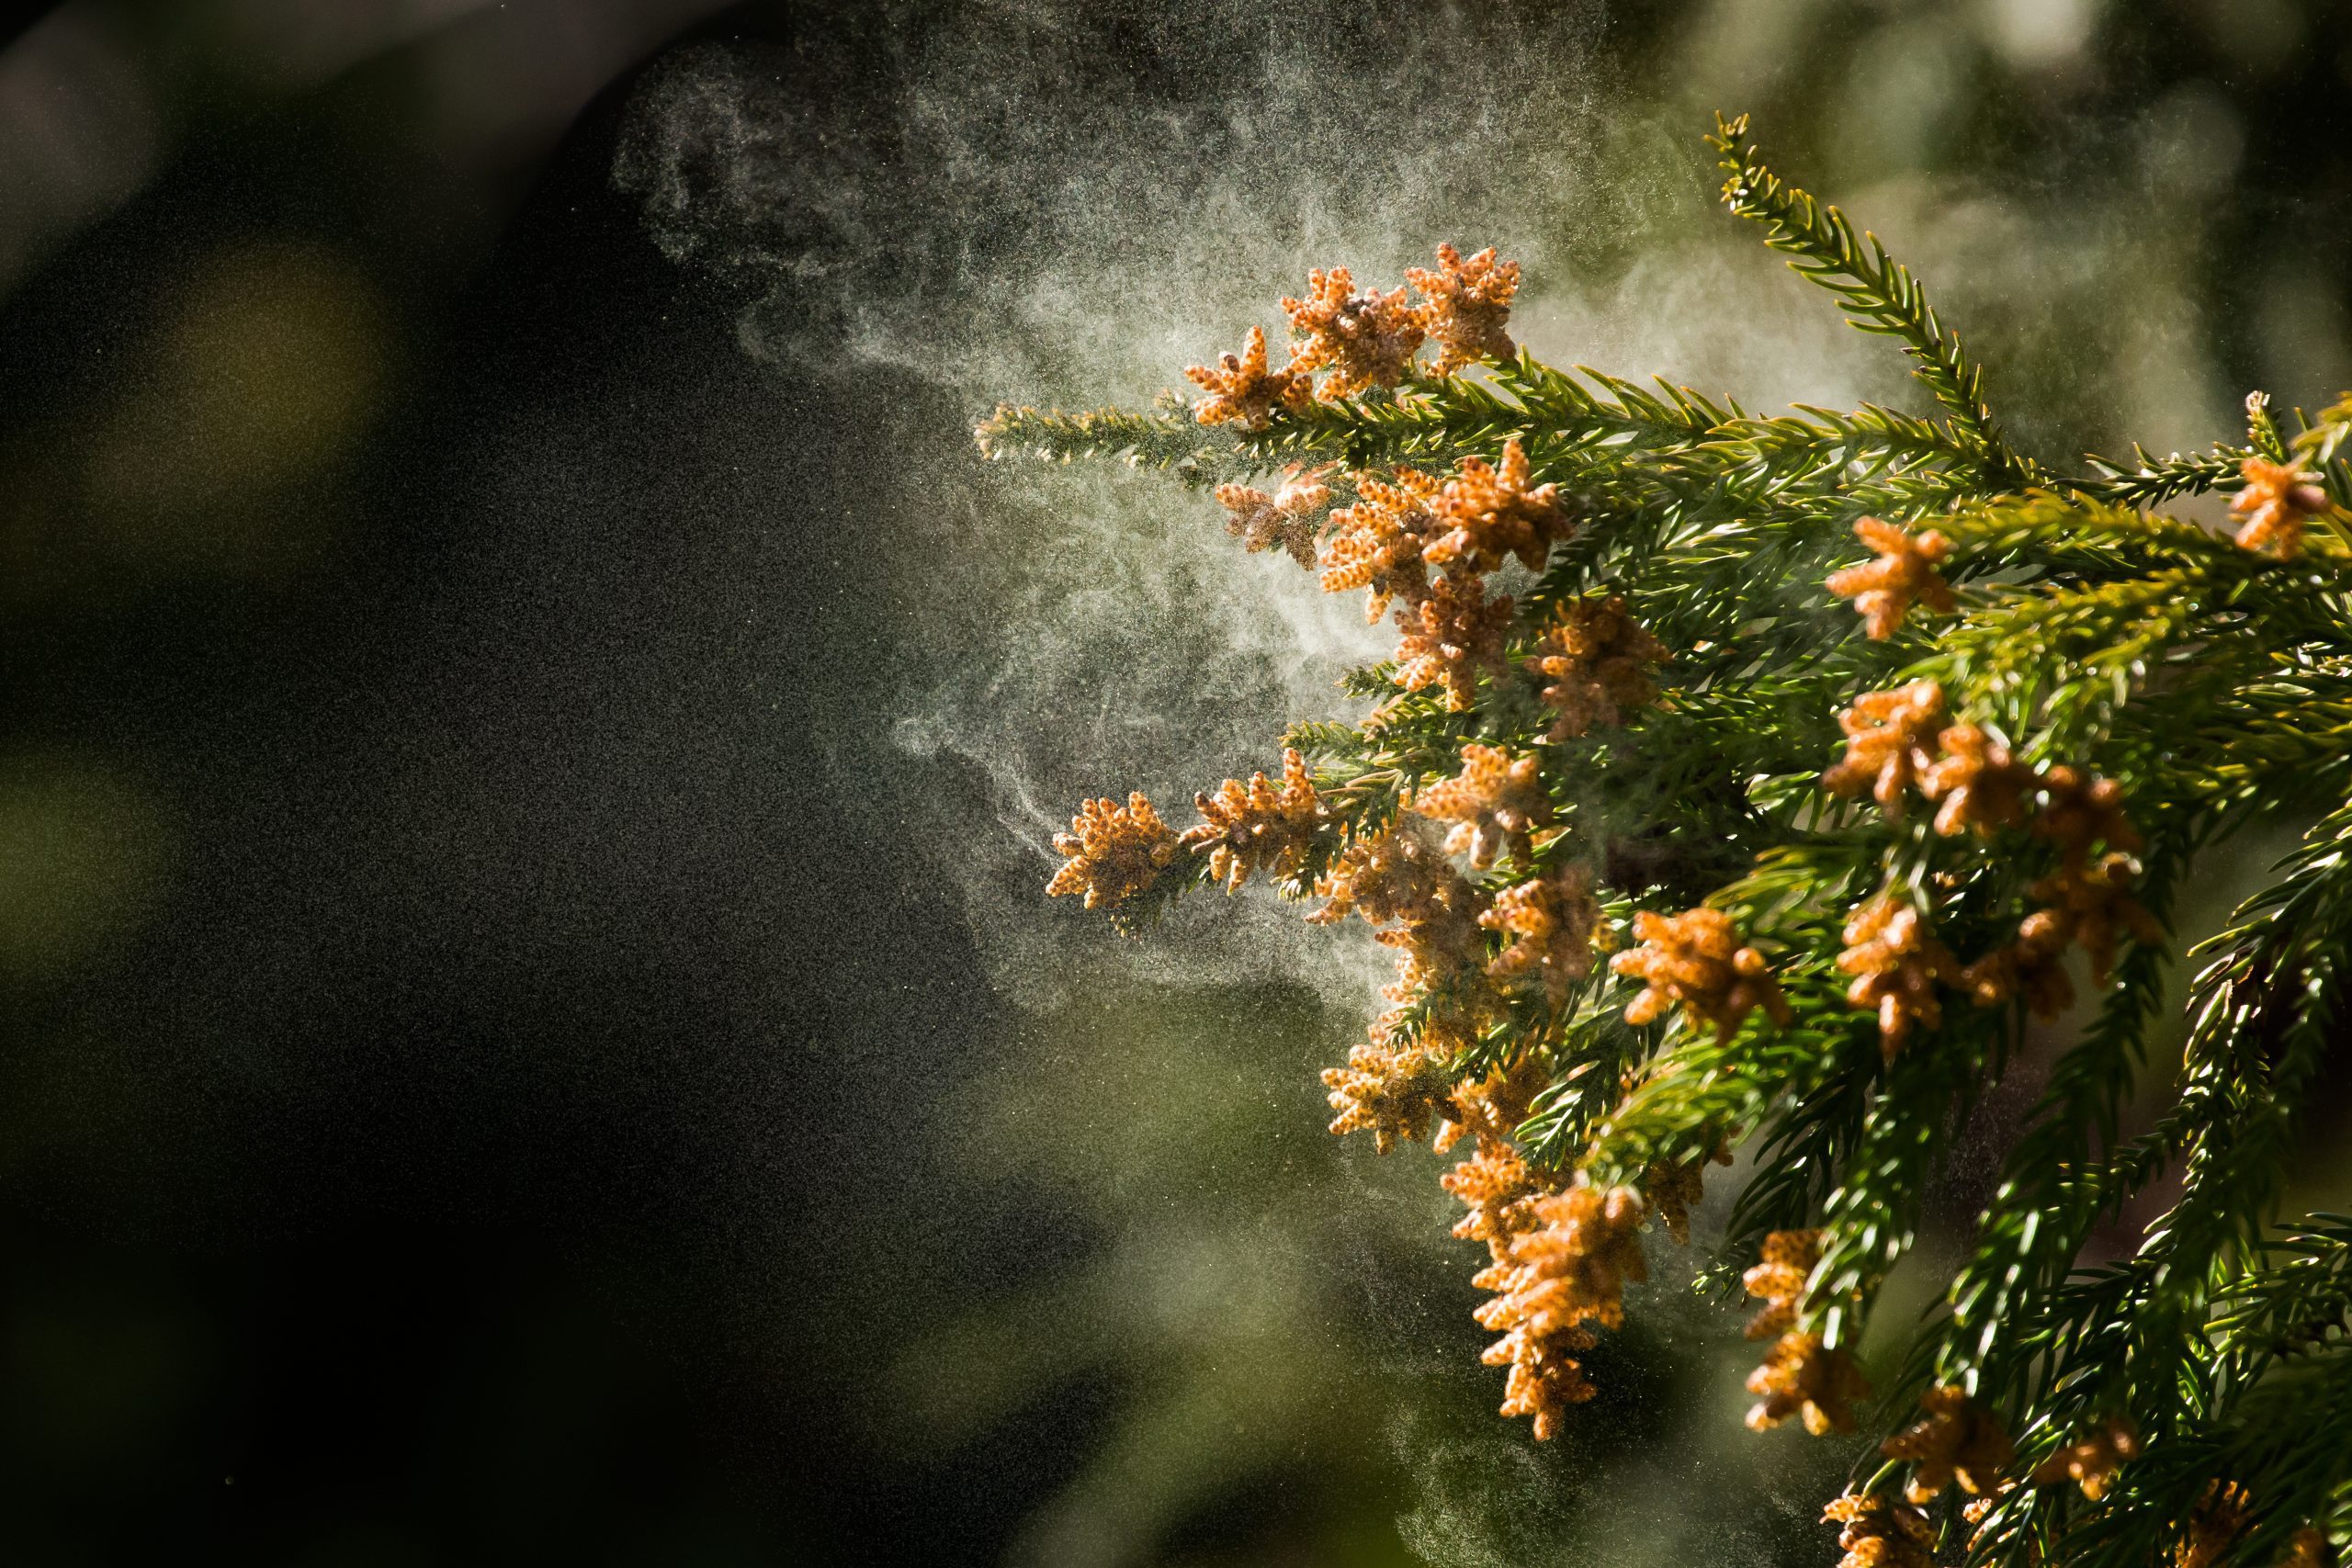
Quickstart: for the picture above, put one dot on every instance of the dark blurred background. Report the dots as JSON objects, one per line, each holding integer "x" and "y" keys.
{"x": 503, "y": 1056}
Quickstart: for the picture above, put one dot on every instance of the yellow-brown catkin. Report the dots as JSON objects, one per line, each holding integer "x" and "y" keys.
{"x": 1975, "y": 784}
{"x": 1550, "y": 922}
{"x": 1499, "y": 1188}
{"x": 1243, "y": 392}
{"x": 1488, "y": 514}
{"x": 1494, "y": 803}
{"x": 1904, "y": 573}
{"x": 2093, "y": 905}
{"x": 1779, "y": 1280}
{"x": 2081, "y": 811}
{"x": 1890, "y": 743}
{"x": 1494, "y": 1106}
{"x": 1673, "y": 1188}
{"x": 1545, "y": 1378}
{"x": 1376, "y": 544}
{"x": 1365, "y": 338}
{"x": 1465, "y": 305}
{"x": 1440, "y": 946}
{"x": 1695, "y": 961}
{"x": 2277, "y": 500}
{"x": 1289, "y": 518}
{"x": 1451, "y": 636}
{"x": 1960, "y": 1440}
{"x": 2090, "y": 1462}
{"x": 1113, "y": 852}
{"x": 1978, "y": 1510}
{"x": 2222, "y": 1518}
{"x": 1440, "y": 957}
{"x": 1395, "y": 875}
{"x": 2309, "y": 1549}
{"x": 2086, "y": 900}
{"x": 1567, "y": 1271}
{"x": 1897, "y": 963}
{"x": 1880, "y": 1532}
{"x": 2034, "y": 966}
{"x": 1596, "y": 660}
{"x": 1259, "y": 825}
{"x": 1395, "y": 1089}
{"x": 1802, "y": 1376}
{"x": 2214, "y": 1527}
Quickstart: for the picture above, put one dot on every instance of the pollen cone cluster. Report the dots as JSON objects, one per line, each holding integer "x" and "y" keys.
{"x": 1978, "y": 786}
{"x": 2032, "y": 967}
{"x": 1550, "y": 923}
{"x": 1492, "y": 1108}
{"x": 2219, "y": 1523}
{"x": 1258, "y": 827}
{"x": 2277, "y": 500}
{"x": 1499, "y": 1188}
{"x": 1393, "y": 875}
{"x": 1565, "y": 1273}
{"x": 1897, "y": 963}
{"x": 1441, "y": 958}
{"x": 1494, "y": 803}
{"x": 1487, "y": 515}
{"x": 1465, "y": 305}
{"x": 1241, "y": 390}
{"x": 1289, "y": 518}
{"x": 1695, "y": 961}
{"x": 1450, "y": 636}
{"x": 1376, "y": 544}
{"x": 1779, "y": 1279}
{"x": 2092, "y": 904}
{"x": 1365, "y": 338}
{"x": 2091, "y": 1462}
{"x": 1426, "y": 909}
{"x": 1880, "y": 1532}
{"x": 1978, "y": 1512}
{"x": 1672, "y": 1190}
{"x": 1960, "y": 1440}
{"x": 1596, "y": 660}
{"x": 1903, "y": 574}
{"x": 1802, "y": 1376}
{"x": 2081, "y": 811}
{"x": 1113, "y": 852}
{"x": 2087, "y": 900}
{"x": 1890, "y": 743}
{"x": 2309, "y": 1549}
{"x": 2214, "y": 1527}
{"x": 1397, "y": 1090}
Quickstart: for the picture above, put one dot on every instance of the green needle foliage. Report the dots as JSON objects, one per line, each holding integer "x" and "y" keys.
{"x": 1638, "y": 925}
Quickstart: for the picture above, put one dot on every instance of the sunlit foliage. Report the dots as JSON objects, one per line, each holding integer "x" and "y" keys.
{"x": 1679, "y": 853}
